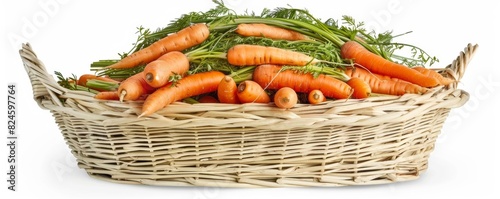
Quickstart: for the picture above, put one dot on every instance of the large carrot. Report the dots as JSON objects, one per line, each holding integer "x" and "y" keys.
{"x": 191, "y": 85}
{"x": 384, "y": 84}
{"x": 227, "y": 91}
{"x": 246, "y": 54}
{"x": 134, "y": 87}
{"x": 157, "y": 73}
{"x": 432, "y": 73}
{"x": 377, "y": 64}
{"x": 273, "y": 77}
{"x": 181, "y": 40}
{"x": 268, "y": 31}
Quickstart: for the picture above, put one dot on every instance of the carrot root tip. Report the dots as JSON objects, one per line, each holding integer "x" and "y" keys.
{"x": 122, "y": 95}
{"x": 242, "y": 87}
{"x": 149, "y": 77}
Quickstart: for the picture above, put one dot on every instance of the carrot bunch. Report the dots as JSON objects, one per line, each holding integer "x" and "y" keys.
{"x": 269, "y": 59}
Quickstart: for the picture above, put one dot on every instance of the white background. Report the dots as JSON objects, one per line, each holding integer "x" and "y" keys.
{"x": 68, "y": 35}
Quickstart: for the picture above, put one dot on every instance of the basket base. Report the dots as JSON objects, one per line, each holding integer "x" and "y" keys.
{"x": 282, "y": 182}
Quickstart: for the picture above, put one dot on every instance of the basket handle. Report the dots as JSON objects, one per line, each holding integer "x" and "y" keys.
{"x": 44, "y": 85}
{"x": 456, "y": 69}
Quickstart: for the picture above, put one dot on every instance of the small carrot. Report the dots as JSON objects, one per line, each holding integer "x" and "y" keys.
{"x": 208, "y": 99}
{"x": 250, "y": 92}
{"x": 227, "y": 91}
{"x": 188, "y": 86}
{"x": 107, "y": 95}
{"x": 179, "y": 41}
{"x": 268, "y": 31}
{"x": 316, "y": 97}
{"x": 245, "y": 55}
{"x": 432, "y": 73}
{"x": 361, "y": 88}
{"x": 83, "y": 79}
{"x": 134, "y": 87}
{"x": 273, "y": 77}
{"x": 384, "y": 84}
{"x": 157, "y": 73}
{"x": 285, "y": 97}
{"x": 377, "y": 64}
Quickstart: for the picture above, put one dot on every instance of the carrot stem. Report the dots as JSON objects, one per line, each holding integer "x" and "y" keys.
{"x": 104, "y": 85}
{"x": 83, "y": 88}
{"x": 245, "y": 73}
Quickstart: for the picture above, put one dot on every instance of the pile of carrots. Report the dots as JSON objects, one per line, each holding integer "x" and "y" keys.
{"x": 276, "y": 76}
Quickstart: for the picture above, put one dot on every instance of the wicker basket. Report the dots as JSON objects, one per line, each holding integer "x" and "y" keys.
{"x": 345, "y": 142}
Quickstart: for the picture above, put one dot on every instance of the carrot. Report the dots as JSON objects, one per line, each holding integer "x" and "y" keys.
{"x": 273, "y": 77}
{"x": 361, "y": 88}
{"x": 285, "y": 97}
{"x": 181, "y": 40}
{"x": 316, "y": 97}
{"x": 227, "y": 91}
{"x": 134, "y": 87}
{"x": 432, "y": 73}
{"x": 83, "y": 79}
{"x": 250, "y": 92}
{"x": 208, "y": 99}
{"x": 191, "y": 85}
{"x": 157, "y": 73}
{"x": 245, "y": 54}
{"x": 107, "y": 95}
{"x": 384, "y": 84}
{"x": 377, "y": 64}
{"x": 268, "y": 31}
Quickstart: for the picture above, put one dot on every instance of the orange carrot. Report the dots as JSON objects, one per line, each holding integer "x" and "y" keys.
{"x": 245, "y": 54}
{"x": 208, "y": 99}
{"x": 227, "y": 91}
{"x": 285, "y": 97}
{"x": 134, "y": 87}
{"x": 107, "y": 95}
{"x": 191, "y": 85}
{"x": 377, "y": 64}
{"x": 268, "y": 31}
{"x": 384, "y": 84}
{"x": 273, "y": 77}
{"x": 316, "y": 97}
{"x": 250, "y": 92}
{"x": 432, "y": 73}
{"x": 361, "y": 88}
{"x": 157, "y": 73}
{"x": 82, "y": 80}
{"x": 181, "y": 40}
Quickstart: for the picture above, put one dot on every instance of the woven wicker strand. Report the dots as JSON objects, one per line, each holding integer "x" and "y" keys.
{"x": 382, "y": 139}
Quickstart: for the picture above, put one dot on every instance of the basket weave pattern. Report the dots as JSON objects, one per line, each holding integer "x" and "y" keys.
{"x": 345, "y": 142}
